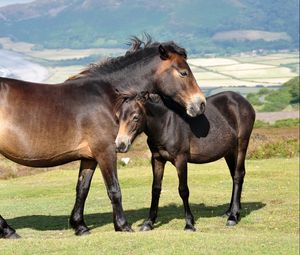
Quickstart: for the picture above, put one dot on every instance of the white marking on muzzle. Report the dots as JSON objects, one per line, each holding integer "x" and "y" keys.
{"x": 123, "y": 143}
{"x": 196, "y": 105}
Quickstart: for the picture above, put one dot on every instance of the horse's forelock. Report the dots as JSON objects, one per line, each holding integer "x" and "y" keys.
{"x": 122, "y": 97}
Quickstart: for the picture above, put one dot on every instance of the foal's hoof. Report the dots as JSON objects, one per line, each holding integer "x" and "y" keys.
{"x": 82, "y": 231}
{"x": 147, "y": 226}
{"x": 189, "y": 228}
{"x": 232, "y": 221}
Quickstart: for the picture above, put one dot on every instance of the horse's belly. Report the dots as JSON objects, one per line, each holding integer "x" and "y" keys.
{"x": 211, "y": 148}
{"x": 36, "y": 149}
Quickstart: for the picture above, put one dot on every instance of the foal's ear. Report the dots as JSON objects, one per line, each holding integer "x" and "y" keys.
{"x": 145, "y": 95}
{"x": 164, "y": 55}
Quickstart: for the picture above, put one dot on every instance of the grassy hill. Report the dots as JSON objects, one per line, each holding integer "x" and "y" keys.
{"x": 196, "y": 24}
{"x": 268, "y": 100}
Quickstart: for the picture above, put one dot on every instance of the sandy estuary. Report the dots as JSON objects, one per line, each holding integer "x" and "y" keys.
{"x": 14, "y": 65}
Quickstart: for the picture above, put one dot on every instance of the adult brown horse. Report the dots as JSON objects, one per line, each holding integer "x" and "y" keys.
{"x": 222, "y": 131}
{"x": 45, "y": 125}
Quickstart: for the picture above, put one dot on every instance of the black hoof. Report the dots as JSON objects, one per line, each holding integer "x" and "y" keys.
{"x": 125, "y": 228}
{"x": 190, "y": 228}
{"x": 231, "y": 223}
{"x": 232, "y": 220}
{"x": 82, "y": 231}
{"x": 147, "y": 226}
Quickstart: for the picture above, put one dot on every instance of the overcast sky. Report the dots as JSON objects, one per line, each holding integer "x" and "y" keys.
{"x": 7, "y": 2}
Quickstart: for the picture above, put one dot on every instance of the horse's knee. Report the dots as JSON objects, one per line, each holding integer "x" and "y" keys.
{"x": 239, "y": 176}
{"x": 156, "y": 191}
{"x": 114, "y": 195}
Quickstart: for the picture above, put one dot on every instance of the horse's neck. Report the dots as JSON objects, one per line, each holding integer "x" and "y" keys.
{"x": 137, "y": 77}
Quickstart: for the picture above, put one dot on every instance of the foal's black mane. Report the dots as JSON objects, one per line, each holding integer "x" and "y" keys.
{"x": 139, "y": 51}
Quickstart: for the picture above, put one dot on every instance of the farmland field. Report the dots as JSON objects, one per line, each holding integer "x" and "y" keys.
{"x": 246, "y": 70}
{"x": 39, "y": 207}
{"x": 238, "y": 71}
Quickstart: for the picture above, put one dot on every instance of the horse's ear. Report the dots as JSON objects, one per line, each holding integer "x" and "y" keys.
{"x": 117, "y": 91}
{"x": 163, "y": 52}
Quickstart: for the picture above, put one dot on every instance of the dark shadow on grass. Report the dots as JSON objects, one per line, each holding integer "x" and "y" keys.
{"x": 165, "y": 215}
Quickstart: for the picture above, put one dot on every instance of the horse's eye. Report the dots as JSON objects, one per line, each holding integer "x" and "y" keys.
{"x": 135, "y": 117}
{"x": 183, "y": 73}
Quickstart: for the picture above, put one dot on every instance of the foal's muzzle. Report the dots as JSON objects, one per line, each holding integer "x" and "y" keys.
{"x": 122, "y": 143}
{"x": 196, "y": 106}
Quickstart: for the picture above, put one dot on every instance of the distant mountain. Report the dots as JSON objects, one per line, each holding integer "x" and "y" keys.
{"x": 215, "y": 26}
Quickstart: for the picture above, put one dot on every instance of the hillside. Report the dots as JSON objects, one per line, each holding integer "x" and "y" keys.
{"x": 216, "y": 26}
{"x": 285, "y": 98}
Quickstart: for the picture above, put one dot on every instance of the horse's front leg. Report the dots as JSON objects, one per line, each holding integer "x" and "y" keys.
{"x": 86, "y": 172}
{"x": 107, "y": 161}
{"x": 158, "y": 166}
{"x": 181, "y": 166}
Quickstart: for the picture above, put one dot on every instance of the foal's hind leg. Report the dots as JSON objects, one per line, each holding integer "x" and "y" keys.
{"x": 7, "y": 231}
{"x": 86, "y": 171}
{"x": 236, "y": 164}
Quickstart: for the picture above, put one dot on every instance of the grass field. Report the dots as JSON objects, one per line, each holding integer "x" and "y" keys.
{"x": 39, "y": 206}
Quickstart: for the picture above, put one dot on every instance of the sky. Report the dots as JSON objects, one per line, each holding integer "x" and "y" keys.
{"x": 7, "y": 2}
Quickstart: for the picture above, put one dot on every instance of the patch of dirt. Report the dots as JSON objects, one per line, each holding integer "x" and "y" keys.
{"x": 273, "y": 116}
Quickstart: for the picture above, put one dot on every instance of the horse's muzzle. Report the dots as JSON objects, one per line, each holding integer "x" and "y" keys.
{"x": 122, "y": 144}
{"x": 196, "y": 106}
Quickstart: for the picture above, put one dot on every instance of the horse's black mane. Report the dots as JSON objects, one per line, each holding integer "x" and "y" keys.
{"x": 140, "y": 50}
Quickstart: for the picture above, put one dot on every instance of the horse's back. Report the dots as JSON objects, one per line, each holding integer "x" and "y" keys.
{"x": 236, "y": 110}
{"x": 228, "y": 117}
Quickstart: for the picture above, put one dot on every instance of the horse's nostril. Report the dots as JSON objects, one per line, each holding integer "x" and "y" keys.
{"x": 202, "y": 107}
{"x": 122, "y": 146}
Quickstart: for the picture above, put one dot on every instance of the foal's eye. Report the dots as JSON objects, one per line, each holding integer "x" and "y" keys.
{"x": 183, "y": 73}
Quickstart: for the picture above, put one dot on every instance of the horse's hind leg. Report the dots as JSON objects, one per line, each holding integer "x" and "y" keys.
{"x": 236, "y": 164}
{"x": 87, "y": 169}
{"x": 7, "y": 231}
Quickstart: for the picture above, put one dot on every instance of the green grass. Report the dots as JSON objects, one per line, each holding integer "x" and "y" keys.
{"x": 268, "y": 100}
{"x": 38, "y": 207}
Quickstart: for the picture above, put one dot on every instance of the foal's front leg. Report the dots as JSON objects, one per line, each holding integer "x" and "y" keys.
{"x": 158, "y": 166}
{"x": 181, "y": 166}
{"x": 86, "y": 172}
